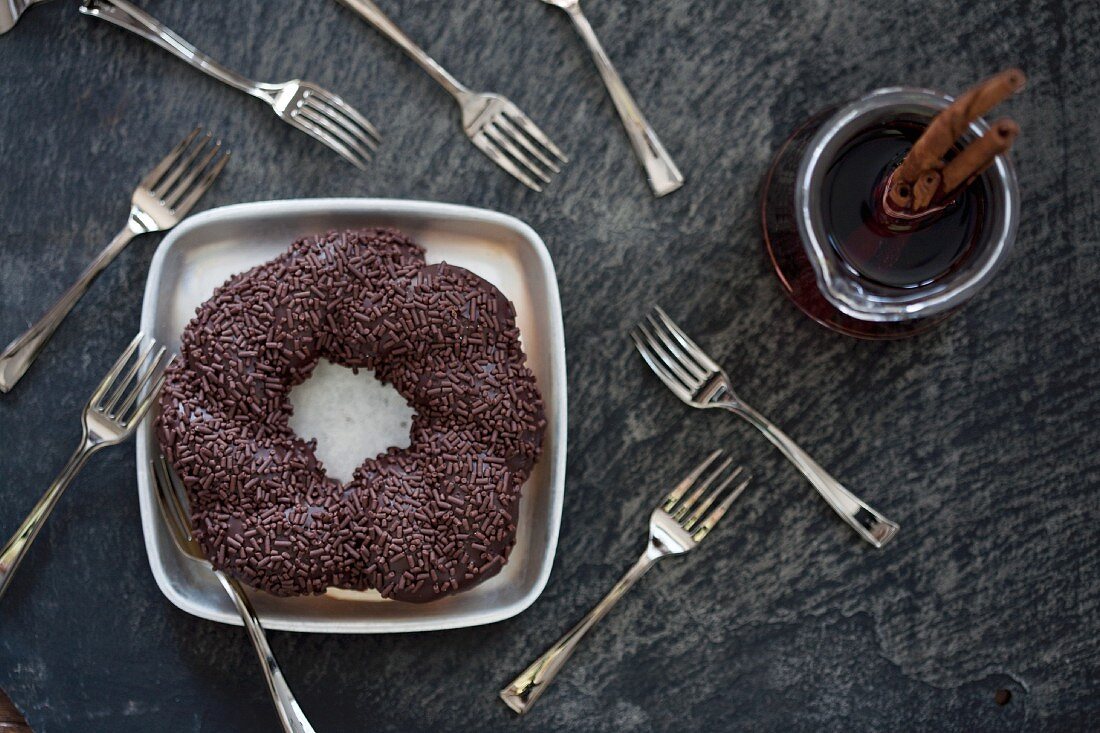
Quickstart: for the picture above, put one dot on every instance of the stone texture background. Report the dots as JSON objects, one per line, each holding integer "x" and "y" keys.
{"x": 980, "y": 438}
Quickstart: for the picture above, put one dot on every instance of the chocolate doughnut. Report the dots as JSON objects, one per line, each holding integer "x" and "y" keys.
{"x": 414, "y": 523}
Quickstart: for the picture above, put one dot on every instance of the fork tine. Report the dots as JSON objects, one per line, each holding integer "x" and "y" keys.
{"x": 674, "y": 496}
{"x": 175, "y": 496}
{"x": 487, "y": 146}
{"x": 164, "y": 186}
{"x": 154, "y": 391}
{"x": 178, "y": 490}
{"x": 343, "y": 124}
{"x": 692, "y": 348}
{"x": 671, "y": 380}
{"x": 308, "y": 126}
{"x": 507, "y": 127}
{"x": 185, "y": 184}
{"x": 120, "y": 385}
{"x": 162, "y": 485}
{"x": 112, "y": 375}
{"x": 675, "y": 349}
{"x": 354, "y": 114}
{"x": 669, "y": 361}
{"x": 349, "y": 142}
{"x": 538, "y": 135}
{"x": 159, "y": 170}
{"x": 169, "y": 503}
{"x": 704, "y": 505}
{"x": 338, "y": 108}
{"x": 149, "y": 372}
{"x": 517, "y": 155}
{"x": 708, "y": 524}
{"x": 693, "y": 497}
{"x": 202, "y": 186}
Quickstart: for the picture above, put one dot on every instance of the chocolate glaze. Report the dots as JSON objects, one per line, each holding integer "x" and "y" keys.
{"x": 414, "y": 523}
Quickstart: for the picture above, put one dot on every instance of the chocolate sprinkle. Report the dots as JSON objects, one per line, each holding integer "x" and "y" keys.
{"x": 415, "y": 523}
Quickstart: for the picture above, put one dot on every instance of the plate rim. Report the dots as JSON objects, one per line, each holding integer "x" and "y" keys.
{"x": 558, "y": 372}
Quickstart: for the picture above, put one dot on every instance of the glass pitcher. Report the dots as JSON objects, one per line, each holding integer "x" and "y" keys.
{"x": 813, "y": 272}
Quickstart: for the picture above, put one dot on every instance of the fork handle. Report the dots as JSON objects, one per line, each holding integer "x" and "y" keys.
{"x": 16, "y": 548}
{"x": 373, "y": 14}
{"x": 290, "y": 713}
{"x": 134, "y": 19}
{"x": 524, "y": 690}
{"x": 21, "y": 353}
{"x": 867, "y": 522}
{"x": 664, "y": 177}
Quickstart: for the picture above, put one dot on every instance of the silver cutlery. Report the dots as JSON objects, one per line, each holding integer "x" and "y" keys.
{"x": 110, "y": 417}
{"x": 685, "y": 516}
{"x": 158, "y": 203}
{"x": 304, "y": 106}
{"x": 496, "y": 126}
{"x": 664, "y": 177}
{"x": 698, "y": 380}
{"x": 10, "y": 10}
{"x": 169, "y": 495}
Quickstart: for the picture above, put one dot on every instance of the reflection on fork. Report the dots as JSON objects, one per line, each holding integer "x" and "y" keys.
{"x": 301, "y": 104}
{"x": 164, "y": 196}
{"x": 496, "y": 126}
{"x": 170, "y": 495}
{"x": 698, "y": 380}
{"x": 664, "y": 177}
{"x": 110, "y": 417}
{"x": 683, "y": 519}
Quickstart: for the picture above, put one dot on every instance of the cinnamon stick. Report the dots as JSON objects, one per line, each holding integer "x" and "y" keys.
{"x": 979, "y": 155}
{"x": 944, "y": 130}
{"x": 926, "y": 188}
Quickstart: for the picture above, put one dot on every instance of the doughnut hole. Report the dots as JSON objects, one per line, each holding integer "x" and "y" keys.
{"x": 352, "y": 416}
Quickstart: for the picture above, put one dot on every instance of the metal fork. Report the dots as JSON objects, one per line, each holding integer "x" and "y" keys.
{"x": 496, "y": 126}
{"x": 169, "y": 490}
{"x": 10, "y": 10}
{"x": 698, "y": 380}
{"x": 112, "y": 413}
{"x": 159, "y": 202}
{"x": 302, "y": 105}
{"x": 664, "y": 177}
{"x": 680, "y": 522}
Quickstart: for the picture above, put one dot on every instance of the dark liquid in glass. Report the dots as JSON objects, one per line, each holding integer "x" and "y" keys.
{"x": 872, "y": 249}
{"x": 867, "y": 244}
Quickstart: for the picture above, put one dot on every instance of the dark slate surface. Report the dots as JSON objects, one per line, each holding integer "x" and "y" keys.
{"x": 979, "y": 438}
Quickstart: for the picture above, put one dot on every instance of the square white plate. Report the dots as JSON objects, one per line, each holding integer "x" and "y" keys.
{"x": 206, "y": 249}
